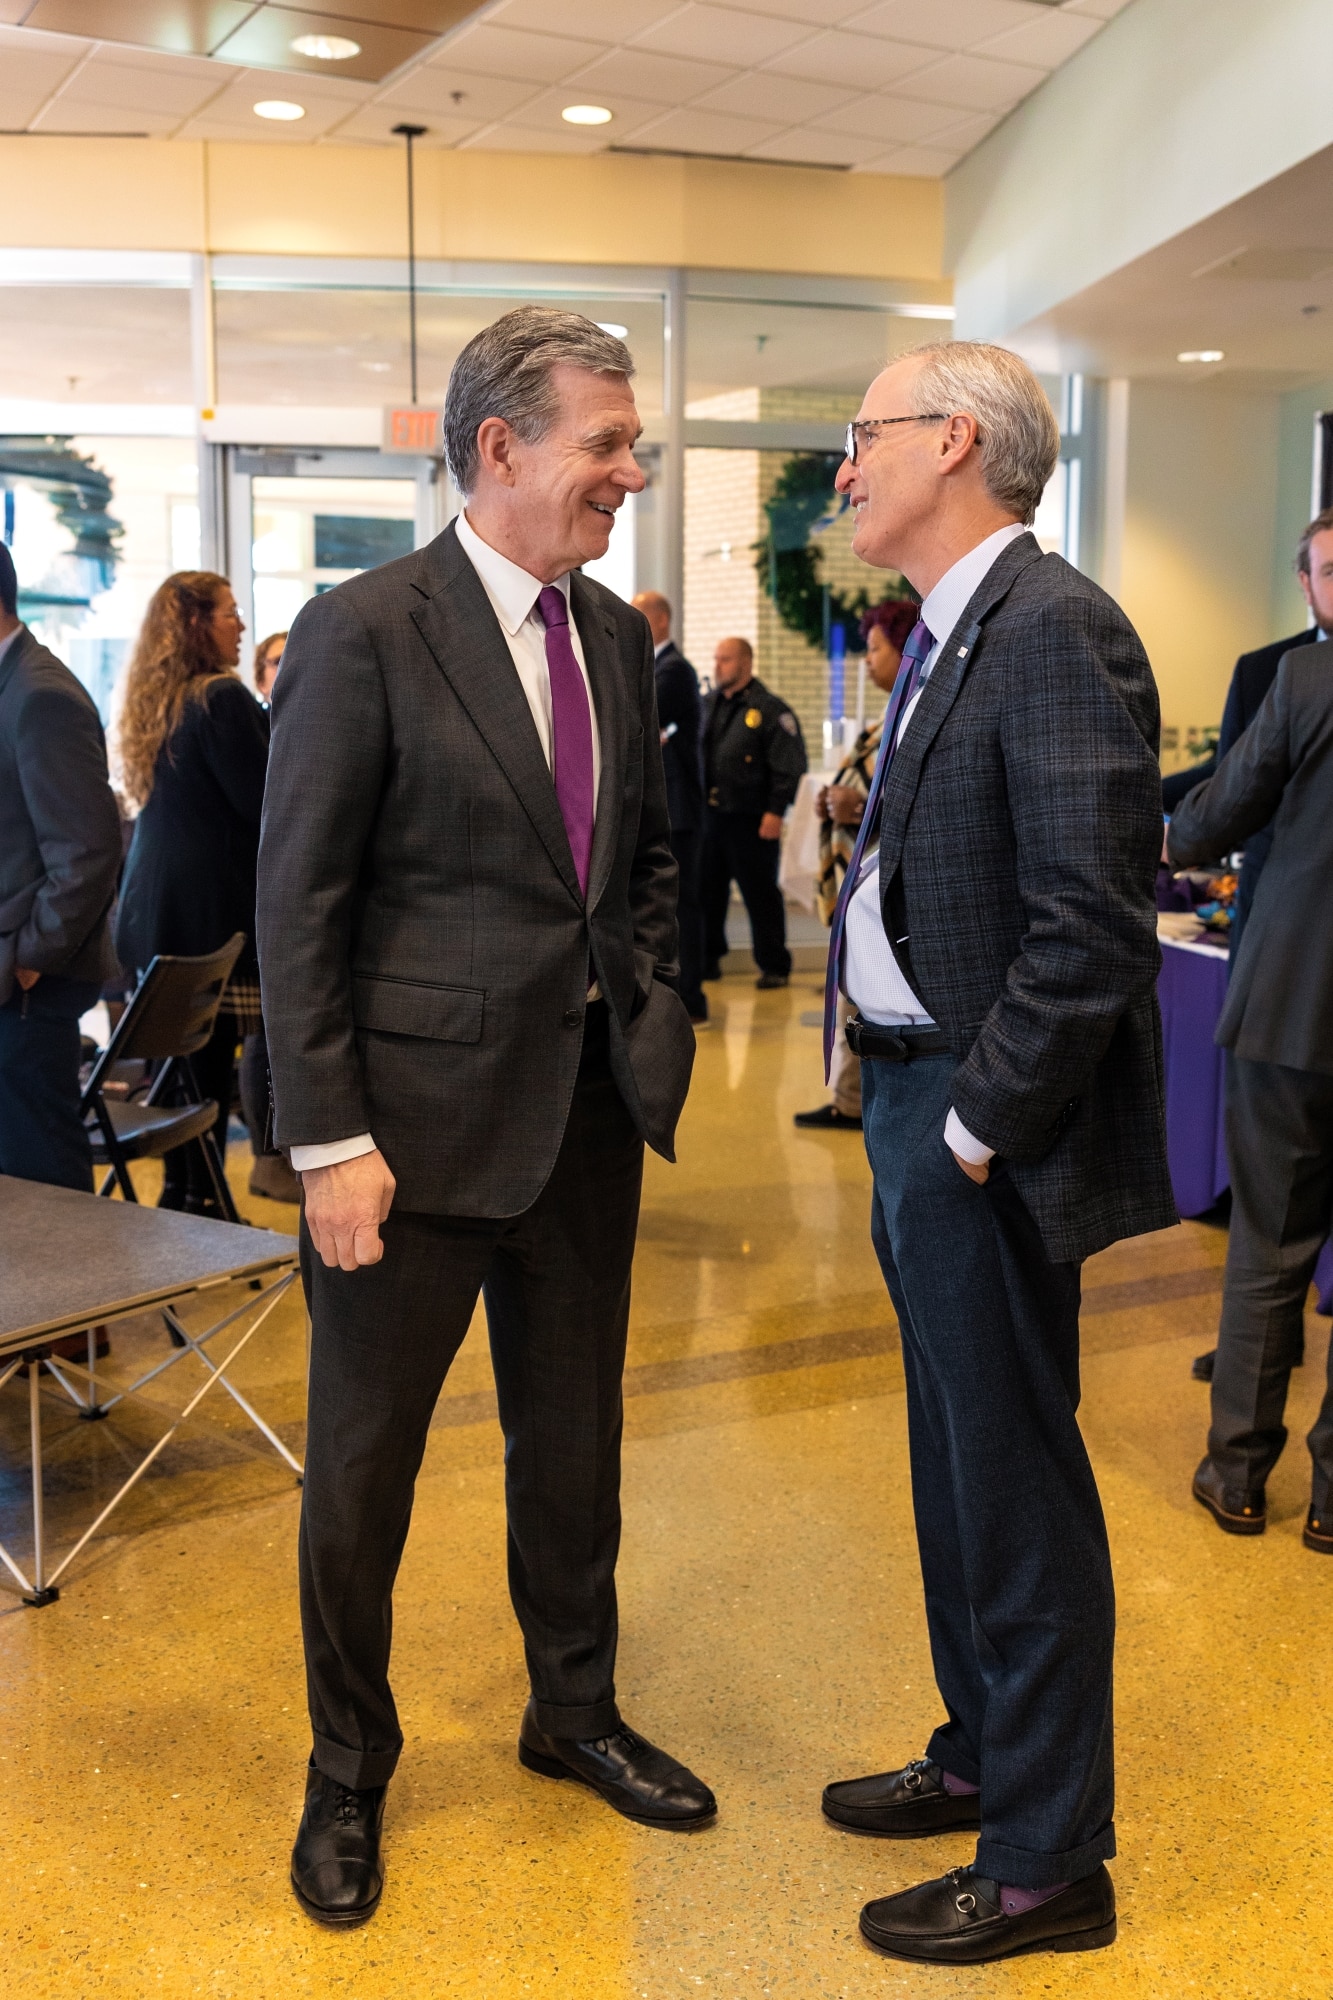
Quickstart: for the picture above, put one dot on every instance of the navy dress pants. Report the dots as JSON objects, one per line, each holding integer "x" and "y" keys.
{"x": 41, "y": 1134}
{"x": 1014, "y": 1557}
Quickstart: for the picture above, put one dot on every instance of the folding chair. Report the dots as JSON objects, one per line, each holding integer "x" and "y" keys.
{"x": 170, "y": 1016}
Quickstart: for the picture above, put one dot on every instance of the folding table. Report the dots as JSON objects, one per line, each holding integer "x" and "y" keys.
{"x": 71, "y": 1262}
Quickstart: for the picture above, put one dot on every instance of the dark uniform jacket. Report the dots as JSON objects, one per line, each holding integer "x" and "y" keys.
{"x": 754, "y": 754}
{"x": 424, "y": 944}
{"x": 1279, "y": 775}
{"x": 1019, "y": 841}
{"x": 59, "y": 828}
{"x": 190, "y": 878}
{"x": 678, "y": 704}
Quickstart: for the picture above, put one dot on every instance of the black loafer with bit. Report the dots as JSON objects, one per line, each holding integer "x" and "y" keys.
{"x": 336, "y": 1869}
{"x": 901, "y": 1805}
{"x": 631, "y": 1774}
{"x": 958, "y": 1920}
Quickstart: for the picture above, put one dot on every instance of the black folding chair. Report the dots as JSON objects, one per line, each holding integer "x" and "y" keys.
{"x": 170, "y": 1016}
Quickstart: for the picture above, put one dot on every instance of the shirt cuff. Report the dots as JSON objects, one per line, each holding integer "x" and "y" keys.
{"x": 956, "y": 1137}
{"x": 305, "y": 1159}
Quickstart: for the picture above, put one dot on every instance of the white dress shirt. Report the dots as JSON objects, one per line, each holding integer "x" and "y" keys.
{"x": 871, "y": 975}
{"x": 513, "y": 595}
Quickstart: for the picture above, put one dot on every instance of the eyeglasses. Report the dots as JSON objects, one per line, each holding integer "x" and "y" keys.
{"x": 869, "y": 424}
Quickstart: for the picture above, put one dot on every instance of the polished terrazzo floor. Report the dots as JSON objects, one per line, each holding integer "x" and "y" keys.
{"x": 152, "y": 1728}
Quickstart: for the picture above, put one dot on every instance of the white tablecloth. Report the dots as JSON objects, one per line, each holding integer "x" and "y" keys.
{"x": 799, "y": 869}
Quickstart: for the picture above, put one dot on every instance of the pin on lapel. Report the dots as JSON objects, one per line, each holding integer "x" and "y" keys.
{"x": 962, "y": 652}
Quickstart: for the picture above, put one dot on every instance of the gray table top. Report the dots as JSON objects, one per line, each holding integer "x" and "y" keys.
{"x": 69, "y": 1260}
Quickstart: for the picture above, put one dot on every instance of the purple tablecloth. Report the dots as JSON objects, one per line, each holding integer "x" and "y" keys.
{"x": 1191, "y": 988}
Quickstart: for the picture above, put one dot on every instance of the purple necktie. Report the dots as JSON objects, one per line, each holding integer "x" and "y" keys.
{"x": 571, "y": 727}
{"x": 919, "y": 642}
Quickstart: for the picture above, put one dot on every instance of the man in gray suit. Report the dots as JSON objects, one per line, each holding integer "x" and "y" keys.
{"x": 1277, "y": 1026}
{"x": 467, "y": 936}
{"x": 997, "y": 936}
{"x": 59, "y": 859}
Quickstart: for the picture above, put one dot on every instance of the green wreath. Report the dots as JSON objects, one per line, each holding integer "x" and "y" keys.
{"x": 789, "y": 565}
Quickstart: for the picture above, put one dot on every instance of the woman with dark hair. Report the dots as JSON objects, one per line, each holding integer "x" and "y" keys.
{"x": 841, "y": 805}
{"x": 193, "y": 752}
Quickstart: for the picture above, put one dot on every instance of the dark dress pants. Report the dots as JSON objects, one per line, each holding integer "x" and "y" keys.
{"x": 686, "y": 844}
{"x": 1280, "y": 1153}
{"x": 1014, "y": 1558}
{"x": 556, "y": 1282}
{"x": 41, "y": 1134}
{"x": 733, "y": 852}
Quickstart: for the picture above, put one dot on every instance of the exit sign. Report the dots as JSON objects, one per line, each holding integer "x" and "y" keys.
{"x": 413, "y": 428}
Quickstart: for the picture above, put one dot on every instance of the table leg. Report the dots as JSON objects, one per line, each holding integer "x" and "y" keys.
{"x": 42, "y": 1592}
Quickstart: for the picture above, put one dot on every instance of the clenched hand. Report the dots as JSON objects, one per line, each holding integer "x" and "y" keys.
{"x": 344, "y": 1207}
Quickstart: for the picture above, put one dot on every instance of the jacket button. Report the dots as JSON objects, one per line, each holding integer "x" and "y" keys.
{"x": 574, "y": 1017}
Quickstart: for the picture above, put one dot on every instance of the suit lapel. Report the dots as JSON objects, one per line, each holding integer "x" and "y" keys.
{"x": 939, "y": 695}
{"x": 460, "y": 627}
{"x": 598, "y": 635}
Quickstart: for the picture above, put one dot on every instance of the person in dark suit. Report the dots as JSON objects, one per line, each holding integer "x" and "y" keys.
{"x": 467, "y": 935}
{"x": 679, "y": 716}
{"x": 754, "y": 757}
{"x": 193, "y": 749}
{"x": 59, "y": 859}
{"x": 1277, "y": 1025}
{"x": 996, "y": 934}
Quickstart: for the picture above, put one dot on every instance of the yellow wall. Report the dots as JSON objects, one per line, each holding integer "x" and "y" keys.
{"x": 1198, "y": 551}
{"x": 349, "y": 201}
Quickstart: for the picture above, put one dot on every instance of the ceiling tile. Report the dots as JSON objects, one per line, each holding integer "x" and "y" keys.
{"x": 859, "y": 61}
{"x": 12, "y": 11}
{"x": 722, "y": 31}
{"x": 65, "y": 114}
{"x": 925, "y": 162}
{"x": 265, "y": 41}
{"x": 1049, "y": 41}
{"x": 165, "y": 85}
{"x": 375, "y": 123}
{"x": 542, "y": 113}
{"x": 27, "y": 78}
{"x": 659, "y": 79}
{"x": 506, "y": 52}
{"x": 815, "y": 13}
{"x": 606, "y": 20}
{"x": 430, "y": 17}
{"x": 522, "y": 139}
{"x": 967, "y": 133}
{"x": 895, "y": 119}
{"x": 946, "y": 24}
{"x": 327, "y": 100}
{"x": 976, "y": 83}
{"x": 705, "y": 132}
{"x": 431, "y": 91}
{"x": 189, "y": 29}
{"x": 1101, "y": 10}
{"x": 801, "y": 145}
{"x": 760, "y": 94}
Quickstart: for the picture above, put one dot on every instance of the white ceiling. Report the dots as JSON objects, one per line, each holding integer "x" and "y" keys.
{"x": 900, "y": 86}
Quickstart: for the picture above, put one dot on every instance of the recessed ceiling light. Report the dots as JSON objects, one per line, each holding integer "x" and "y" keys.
{"x": 586, "y": 114}
{"x": 326, "y": 48}
{"x": 613, "y": 327}
{"x": 280, "y": 108}
{"x": 1202, "y": 354}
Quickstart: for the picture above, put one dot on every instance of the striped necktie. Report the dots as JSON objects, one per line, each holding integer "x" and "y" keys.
{"x": 919, "y": 644}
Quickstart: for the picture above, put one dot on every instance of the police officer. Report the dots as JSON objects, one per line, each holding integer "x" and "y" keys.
{"x": 754, "y": 756}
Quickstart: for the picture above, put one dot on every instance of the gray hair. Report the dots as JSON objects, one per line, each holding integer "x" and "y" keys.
{"x": 1017, "y": 434}
{"x": 505, "y": 371}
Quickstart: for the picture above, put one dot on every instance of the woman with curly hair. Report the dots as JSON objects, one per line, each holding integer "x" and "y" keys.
{"x": 840, "y": 806}
{"x": 193, "y": 752}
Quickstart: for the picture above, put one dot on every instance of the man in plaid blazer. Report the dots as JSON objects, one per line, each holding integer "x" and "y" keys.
{"x": 996, "y": 936}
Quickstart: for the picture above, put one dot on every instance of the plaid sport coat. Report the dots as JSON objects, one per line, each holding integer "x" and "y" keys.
{"x": 1019, "y": 842}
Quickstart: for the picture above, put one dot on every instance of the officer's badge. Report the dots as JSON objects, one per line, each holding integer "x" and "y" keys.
{"x": 787, "y": 721}
{"x": 754, "y": 718}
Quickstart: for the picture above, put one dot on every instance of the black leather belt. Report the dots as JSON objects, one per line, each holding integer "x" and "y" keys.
{"x": 898, "y": 1045}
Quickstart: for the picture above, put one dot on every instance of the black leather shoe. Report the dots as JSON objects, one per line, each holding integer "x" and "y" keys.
{"x": 768, "y": 982}
{"x": 957, "y": 1920}
{"x": 713, "y": 971}
{"x": 336, "y": 1870}
{"x": 828, "y": 1118}
{"x": 1201, "y": 1368}
{"x": 901, "y": 1805}
{"x": 1318, "y": 1533}
{"x": 1235, "y": 1512}
{"x": 631, "y": 1774}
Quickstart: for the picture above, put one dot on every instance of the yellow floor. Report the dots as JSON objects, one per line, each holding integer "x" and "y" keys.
{"x": 772, "y": 1635}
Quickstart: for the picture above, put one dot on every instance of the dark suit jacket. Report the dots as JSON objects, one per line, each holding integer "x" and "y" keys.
{"x": 59, "y": 829}
{"x": 1279, "y": 1005}
{"x": 425, "y": 950}
{"x": 1018, "y": 853}
{"x": 190, "y": 878}
{"x": 682, "y": 754}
